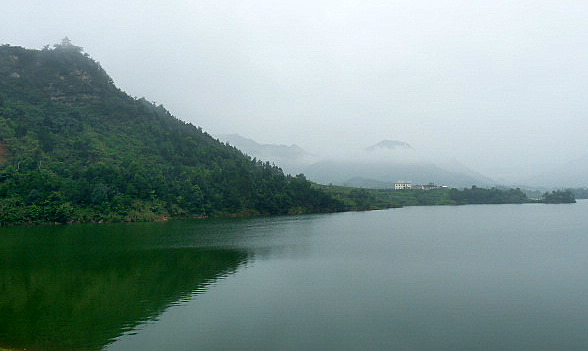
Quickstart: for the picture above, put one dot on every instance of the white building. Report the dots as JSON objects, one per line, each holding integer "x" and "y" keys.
{"x": 402, "y": 185}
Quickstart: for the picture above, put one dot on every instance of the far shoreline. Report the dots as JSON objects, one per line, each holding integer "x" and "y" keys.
{"x": 247, "y": 214}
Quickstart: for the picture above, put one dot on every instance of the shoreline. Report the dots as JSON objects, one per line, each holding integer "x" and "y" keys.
{"x": 256, "y": 215}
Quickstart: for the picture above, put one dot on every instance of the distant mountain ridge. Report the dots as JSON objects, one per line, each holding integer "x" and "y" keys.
{"x": 390, "y": 145}
{"x": 251, "y": 147}
{"x": 377, "y": 166}
{"x": 292, "y": 159}
{"x": 359, "y": 182}
{"x": 390, "y": 161}
{"x": 385, "y": 174}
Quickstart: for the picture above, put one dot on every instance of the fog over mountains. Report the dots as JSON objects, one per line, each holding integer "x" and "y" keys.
{"x": 382, "y": 164}
{"x": 376, "y": 166}
{"x": 496, "y": 84}
{"x": 571, "y": 174}
{"x": 390, "y": 145}
{"x": 292, "y": 159}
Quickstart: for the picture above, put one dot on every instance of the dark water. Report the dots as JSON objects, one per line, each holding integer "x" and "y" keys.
{"x": 495, "y": 277}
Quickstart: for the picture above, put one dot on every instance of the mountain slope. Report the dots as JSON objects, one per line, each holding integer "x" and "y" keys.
{"x": 73, "y": 147}
{"x": 377, "y": 166}
{"x": 290, "y": 158}
{"x": 377, "y": 174}
{"x": 390, "y": 145}
{"x": 390, "y": 161}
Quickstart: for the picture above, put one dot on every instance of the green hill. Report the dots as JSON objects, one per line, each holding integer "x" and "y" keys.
{"x": 75, "y": 148}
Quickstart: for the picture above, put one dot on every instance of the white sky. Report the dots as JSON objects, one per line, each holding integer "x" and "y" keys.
{"x": 500, "y": 85}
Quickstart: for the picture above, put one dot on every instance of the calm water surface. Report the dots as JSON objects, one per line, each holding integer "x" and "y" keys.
{"x": 488, "y": 277}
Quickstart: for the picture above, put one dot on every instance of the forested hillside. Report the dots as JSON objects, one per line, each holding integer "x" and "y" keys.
{"x": 75, "y": 148}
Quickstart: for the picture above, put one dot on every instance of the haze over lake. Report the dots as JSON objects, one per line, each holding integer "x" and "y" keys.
{"x": 484, "y": 277}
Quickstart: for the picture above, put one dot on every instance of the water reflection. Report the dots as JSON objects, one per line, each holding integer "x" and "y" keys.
{"x": 502, "y": 277}
{"x": 80, "y": 287}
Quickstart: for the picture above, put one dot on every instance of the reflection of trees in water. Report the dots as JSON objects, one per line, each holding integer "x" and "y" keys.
{"x": 54, "y": 298}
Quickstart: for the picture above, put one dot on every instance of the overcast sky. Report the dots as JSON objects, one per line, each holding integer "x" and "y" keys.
{"x": 500, "y": 85}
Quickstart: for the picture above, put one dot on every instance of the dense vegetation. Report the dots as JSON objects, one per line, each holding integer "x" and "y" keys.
{"x": 580, "y": 193}
{"x": 558, "y": 197}
{"x": 365, "y": 199}
{"x": 73, "y": 147}
{"x": 539, "y": 194}
{"x": 369, "y": 199}
{"x": 476, "y": 195}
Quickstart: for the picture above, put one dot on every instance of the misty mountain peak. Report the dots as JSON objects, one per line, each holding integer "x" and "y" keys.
{"x": 390, "y": 145}
{"x": 63, "y": 73}
{"x": 253, "y": 147}
{"x": 291, "y": 158}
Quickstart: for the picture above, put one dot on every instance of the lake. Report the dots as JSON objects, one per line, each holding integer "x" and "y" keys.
{"x": 479, "y": 277}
